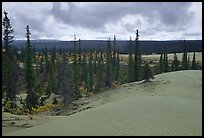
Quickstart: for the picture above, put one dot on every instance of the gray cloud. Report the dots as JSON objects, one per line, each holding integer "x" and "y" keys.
{"x": 98, "y": 20}
{"x": 97, "y": 15}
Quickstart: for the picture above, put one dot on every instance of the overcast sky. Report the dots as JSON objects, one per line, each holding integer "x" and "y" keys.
{"x": 94, "y": 20}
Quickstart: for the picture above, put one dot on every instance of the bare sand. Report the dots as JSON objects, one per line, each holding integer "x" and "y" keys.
{"x": 170, "y": 105}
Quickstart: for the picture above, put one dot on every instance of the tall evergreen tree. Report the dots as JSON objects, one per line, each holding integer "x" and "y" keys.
{"x": 90, "y": 74}
{"x": 52, "y": 84}
{"x": 117, "y": 66}
{"x": 30, "y": 78}
{"x": 95, "y": 58}
{"x": 58, "y": 66}
{"x": 47, "y": 65}
{"x": 194, "y": 66}
{"x": 166, "y": 65}
{"x": 9, "y": 62}
{"x": 114, "y": 59}
{"x": 64, "y": 85}
{"x": 161, "y": 63}
{"x": 184, "y": 57}
{"x": 84, "y": 70}
{"x": 136, "y": 58}
{"x": 80, "y": 62}
{"x": 130, "y": 63}
{"x": 7, "y": 34}
{"x": 41, "y": 72}
{"x": 108, "y": 81}
{"x": 76, "y": 71}
{"x": 188, "y": 62}
{"x": 99, "y": 75}
{"x": 175, "y": 63}
{"x": 147, "y": 72}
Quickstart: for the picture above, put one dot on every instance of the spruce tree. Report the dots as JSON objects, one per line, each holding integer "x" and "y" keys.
{"x": 79, "y": 52}
{"x": 147, "y": 72}
{"x": 188, "y": 62}
{"x": 166, "y": 65}
{"x": 9, "y": 61}
{"x": 90, "y": 72}
{"x": 41, "y": 72}
{"x": 161, "y": 63}
{"x": 164, "y": 62}
{"x": 95, "y": 58}
{"x": 99, "y": 75}
{"x": 136, "y": 58}
{"x": 7, "y": 34}
{"x": 172, "y": 66}
{"x": 64, "y": 85}
{"x": 114, "y": 60}
{"x": 76, "y": 72}
{"x": 108, "y": 81}
{"x": 47, "y": 63}
{"x": 194, "y": 66}
{"x": 30, "y": 78}
{"x": 84, "y": 70}
{"x": 51, "y": 73}
{"x": 117, "y": 66}
{"x": 184, "y": 57}
{"x": 130, "y": 63}
{"x": 175, "y": 62}
{"x": 58, "y": 63}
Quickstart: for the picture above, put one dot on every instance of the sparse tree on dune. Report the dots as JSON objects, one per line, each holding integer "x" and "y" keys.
{"x": 90, "y": 74}
{"x": 166, "y": 64}
{"x": 130, "y": 63}
{"x": 76, "y": 71}
{"x": 176, "y": 62}
{"x": 188, "y": 62}
{"x": 80, "y": 62}
{"x": 64, "y": 85}
{"x": 30, "y": 78}
{"x": 136, "y": 58}
{"x": 184, "y": 57}
{"x": 161, "y": 63}
{"x": 117, "y": 66}
{"x": 99, "y": 75}
{"x": 108, "y": 81}
{"x": 114, "y": 59}
{"x": 147, "y": 72}
{"x": 194, "y": 65}
{"x": 9, "y": 62}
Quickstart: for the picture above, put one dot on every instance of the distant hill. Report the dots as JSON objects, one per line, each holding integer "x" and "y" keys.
{"x": 146, "y": 47}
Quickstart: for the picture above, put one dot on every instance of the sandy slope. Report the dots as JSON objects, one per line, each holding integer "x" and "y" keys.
{"x": 170, "y": 105}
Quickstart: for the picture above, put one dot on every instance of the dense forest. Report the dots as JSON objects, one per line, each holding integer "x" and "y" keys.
{"x": 74, "y": 73}
{"x": 146, "y": 47}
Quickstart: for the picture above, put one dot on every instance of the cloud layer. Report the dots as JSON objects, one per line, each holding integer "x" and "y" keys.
{"x": 94, "y": 20}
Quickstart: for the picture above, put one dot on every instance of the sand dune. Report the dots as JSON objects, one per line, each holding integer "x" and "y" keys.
{"x": 169, "y": 105}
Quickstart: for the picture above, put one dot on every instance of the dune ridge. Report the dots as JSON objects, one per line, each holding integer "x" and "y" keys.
{"x": 170, "y": 105}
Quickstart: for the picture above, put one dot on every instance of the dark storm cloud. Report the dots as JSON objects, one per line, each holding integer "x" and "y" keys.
{"x": 95, "y": 16}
